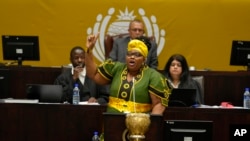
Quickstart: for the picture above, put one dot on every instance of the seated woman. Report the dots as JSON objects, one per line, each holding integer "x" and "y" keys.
{"x": 134, "y": 87}
{"x": 177, "y": 72}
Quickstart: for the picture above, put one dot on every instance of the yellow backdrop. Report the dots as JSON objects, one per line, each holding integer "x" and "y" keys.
{"x": 202, "y": 30}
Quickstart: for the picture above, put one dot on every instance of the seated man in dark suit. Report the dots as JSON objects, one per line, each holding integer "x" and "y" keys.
{"x": 119, "y": 50}
{"x": 89, "y": 90}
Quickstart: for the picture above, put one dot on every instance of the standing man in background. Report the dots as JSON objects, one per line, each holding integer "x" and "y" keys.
{"x": 89, "y": 90}
{"x": 119, "y": 50}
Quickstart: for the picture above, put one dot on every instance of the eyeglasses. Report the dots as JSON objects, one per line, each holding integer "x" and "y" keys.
{"x": 136, "y": 29}
{"x": 135, "y": 54}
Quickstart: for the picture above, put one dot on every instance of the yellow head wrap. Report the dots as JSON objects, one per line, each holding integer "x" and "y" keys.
{"x": 139, "y": 46}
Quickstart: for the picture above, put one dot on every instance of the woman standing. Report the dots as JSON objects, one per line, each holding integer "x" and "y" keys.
{"x": 134, "y": 87}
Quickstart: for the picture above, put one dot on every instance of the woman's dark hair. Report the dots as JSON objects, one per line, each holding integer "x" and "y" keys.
{"x": 145, "y": 40}
{"x": 185, "y": 69}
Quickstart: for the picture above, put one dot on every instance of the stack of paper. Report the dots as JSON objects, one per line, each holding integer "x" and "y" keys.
{"x": 11, "y": 100}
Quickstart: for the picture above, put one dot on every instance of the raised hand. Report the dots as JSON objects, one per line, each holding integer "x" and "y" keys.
{"x": 91, "y": 40}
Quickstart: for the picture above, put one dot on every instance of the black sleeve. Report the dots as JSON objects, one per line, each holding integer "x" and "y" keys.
{"x": 103, "y": 94}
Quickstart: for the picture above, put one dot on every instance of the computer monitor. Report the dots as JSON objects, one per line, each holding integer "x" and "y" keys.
{"x": 240, "y": 53}
{"x": 182, "y": 97}
{"x": 188, "y": 130}
{"x": 20, "y": 48}
{"x": 47, "y": 93}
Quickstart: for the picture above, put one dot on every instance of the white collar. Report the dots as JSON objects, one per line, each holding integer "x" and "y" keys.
{"x": 174, "y": 86}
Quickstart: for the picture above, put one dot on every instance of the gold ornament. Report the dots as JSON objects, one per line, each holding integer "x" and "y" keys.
{"x": 137, "y": 124}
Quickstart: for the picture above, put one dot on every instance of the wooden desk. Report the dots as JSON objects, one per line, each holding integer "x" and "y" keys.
{"x": 219, "y": 85}
{"x": 48, "y": 122}
{"x": 15, "y": 79}
{"x": 40, "y": 122}
{"x": 224, "y": 86}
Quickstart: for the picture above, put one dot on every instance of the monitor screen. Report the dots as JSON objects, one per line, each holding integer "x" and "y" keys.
{"x": 188, "y": 130}
{"x": 20, "y": 48}
{"x": 240, "y": 53}
{"x": 182, "y": 97}
{"x": 48, "y": 93}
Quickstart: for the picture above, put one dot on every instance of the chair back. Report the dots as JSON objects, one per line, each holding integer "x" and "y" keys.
{"x": 66, "y": 67}
{"x": 200, "y": 80}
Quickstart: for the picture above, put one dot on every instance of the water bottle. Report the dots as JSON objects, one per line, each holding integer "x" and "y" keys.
{"x": 76, "y": 95}
{"x": 95, "y": 137}
{"x": 246, "y": 101}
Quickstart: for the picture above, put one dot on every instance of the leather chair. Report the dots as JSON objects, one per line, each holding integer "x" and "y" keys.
{"x": 66, "y": 67}
{"x": 200, "y": 80}
{"x": 108, "y": 42}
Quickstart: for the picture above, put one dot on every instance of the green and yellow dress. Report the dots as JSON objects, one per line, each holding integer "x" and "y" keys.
{"x": 128, "y": 97}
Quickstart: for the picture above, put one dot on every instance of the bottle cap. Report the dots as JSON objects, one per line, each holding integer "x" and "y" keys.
{"x": 246, "y": 89}
{"x": 95, "y": 133}
{"x": 76, "y": 85}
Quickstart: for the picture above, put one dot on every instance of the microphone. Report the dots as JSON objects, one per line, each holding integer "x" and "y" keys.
{"x": 133, "y": 89}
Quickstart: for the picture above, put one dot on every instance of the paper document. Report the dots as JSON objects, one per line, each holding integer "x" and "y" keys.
{"x": 86, "y": 103}
{"x": 11, "y": 100}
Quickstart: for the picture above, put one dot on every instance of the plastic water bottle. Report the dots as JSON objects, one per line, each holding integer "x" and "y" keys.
{"x": 96, "y": 137}
{"x": 76, "y": 95}
{"x": 246, "y": 101}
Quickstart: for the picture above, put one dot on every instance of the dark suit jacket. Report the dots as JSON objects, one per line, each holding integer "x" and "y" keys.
{"x": 119, "y": 51}
{"x": 89, "y": 89}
